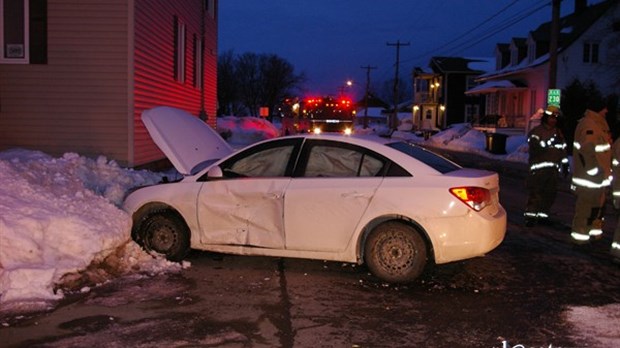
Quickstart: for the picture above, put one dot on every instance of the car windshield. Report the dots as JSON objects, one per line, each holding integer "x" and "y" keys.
{"x": 437, "y": 162}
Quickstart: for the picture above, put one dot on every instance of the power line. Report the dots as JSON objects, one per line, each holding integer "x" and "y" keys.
{"x": 513, "y": 20}
{"x": 493, "y": 30}
{"x": 485, "y": 21}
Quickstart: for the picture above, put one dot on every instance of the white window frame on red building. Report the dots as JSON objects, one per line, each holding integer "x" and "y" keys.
{"x": 9, "y": 51}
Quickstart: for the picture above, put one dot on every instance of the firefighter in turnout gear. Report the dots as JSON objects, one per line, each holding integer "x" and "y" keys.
{"x": 615, "y": 167}
{"x": 547, "y": 157}
{"x": 592, "y": 173}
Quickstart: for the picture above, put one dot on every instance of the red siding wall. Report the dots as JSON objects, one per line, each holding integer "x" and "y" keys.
{"x": 77, "y": 101}
{"x": 153, "y": 69}
{"x": 210, "y": 66}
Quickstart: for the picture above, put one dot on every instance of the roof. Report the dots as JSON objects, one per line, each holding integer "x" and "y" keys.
{"x": 457, "y": 64}
{"x": 373, "y": 101}
{"x": 519, "y": 41}
{"x": 496, "y": 85}
{"x": 572, "y": 27}
{"x": 502, "y": 47}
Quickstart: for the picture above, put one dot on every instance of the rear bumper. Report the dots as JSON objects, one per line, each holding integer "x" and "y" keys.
{"x": 483, "y": 234}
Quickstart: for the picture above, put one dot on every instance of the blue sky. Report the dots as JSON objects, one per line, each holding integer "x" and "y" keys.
{"x": 330, "y": 40}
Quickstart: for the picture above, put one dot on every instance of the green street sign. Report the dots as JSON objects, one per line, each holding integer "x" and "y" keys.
{"x": 553, "y": 97}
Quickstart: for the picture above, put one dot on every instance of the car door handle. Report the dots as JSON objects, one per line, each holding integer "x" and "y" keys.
{"x": 272, "y": 195}
{"x": 354, "y": 194}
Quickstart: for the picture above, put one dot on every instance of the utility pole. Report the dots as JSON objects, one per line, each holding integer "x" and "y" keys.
{"x": 392, "y": 123}
{"x": 368, "y": 68}
{"x": 553, "y": 43}
{"x": 340, "y": 91}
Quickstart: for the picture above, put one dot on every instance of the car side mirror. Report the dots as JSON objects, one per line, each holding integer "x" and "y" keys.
{"x": 215, "y": 172}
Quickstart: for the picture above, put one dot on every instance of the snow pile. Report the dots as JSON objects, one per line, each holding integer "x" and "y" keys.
{"x": 60, "y": 215}
{"x": 463, "y": 138}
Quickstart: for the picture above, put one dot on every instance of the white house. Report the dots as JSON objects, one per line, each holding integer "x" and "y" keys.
{"x": 588, "y": 49}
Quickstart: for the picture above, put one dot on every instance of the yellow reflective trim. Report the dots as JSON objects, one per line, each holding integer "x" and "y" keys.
{"x": 589, "y": 184}
{"x": 595, "y": 232}
{"x": 602, "y": 148}
{"x": 579, "y": 236}
{"x": 542, "y": 165}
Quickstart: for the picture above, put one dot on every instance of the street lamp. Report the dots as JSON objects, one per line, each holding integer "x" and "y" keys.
{"x": 348, "y": 83}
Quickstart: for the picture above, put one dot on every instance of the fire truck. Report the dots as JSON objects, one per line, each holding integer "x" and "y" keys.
{"x": 317, "y": 115}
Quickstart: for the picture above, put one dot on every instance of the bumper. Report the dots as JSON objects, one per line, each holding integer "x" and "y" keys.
{"x": 452, "y": 242}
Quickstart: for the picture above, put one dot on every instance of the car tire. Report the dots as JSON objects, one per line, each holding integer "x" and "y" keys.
{"x": 164, "y": 232}
{"x": 395, "y": 252}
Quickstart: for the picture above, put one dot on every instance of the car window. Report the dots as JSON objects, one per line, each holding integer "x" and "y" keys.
{"x": 269, "y": 162}
{"x": 437, "y": 162}
{"x": 370, "y": 166}
{"x": 275, "y": 158}
{"x": 332, "y": 160}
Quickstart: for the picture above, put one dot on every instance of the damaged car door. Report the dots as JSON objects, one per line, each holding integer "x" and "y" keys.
{"x": 246, "y": 205}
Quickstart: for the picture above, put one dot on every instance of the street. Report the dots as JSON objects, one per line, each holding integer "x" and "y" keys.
{"x": 521, "y": 294}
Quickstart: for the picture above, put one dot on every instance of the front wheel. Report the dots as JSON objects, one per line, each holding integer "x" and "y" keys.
{"x": 166, "y": 233}
{"x": 395, "y": 252}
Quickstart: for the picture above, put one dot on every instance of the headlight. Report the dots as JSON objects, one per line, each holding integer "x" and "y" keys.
{"x": 317, "y": 130}
{"x": 348, "y": 131}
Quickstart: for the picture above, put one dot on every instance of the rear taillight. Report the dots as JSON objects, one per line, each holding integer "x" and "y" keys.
{"x": 475, "y": 197}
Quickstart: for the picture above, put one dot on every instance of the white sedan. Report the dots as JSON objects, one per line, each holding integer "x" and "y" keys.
{"x": 389, "y": 204}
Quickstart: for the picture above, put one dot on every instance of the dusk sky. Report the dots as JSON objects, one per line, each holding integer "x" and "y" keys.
{"x": 330, "y": 40}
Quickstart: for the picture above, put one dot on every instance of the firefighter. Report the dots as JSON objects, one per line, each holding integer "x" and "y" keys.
{"x": 547, "y": 157}
{"x": 592, "y": 173}
{"x": 615, "y": 167}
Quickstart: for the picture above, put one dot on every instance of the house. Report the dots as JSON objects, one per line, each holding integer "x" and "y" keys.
{"x": 75, "y": 75}
{"x": 439, "y": 91}
{"x": 370, "y": 110}
{"x": 588, "y": 49}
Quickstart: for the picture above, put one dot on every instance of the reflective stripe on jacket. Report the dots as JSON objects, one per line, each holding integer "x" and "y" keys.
{"x": 547, "y": 147}
{"x": 592, "y": 152}
{"x": 615, "y": 167}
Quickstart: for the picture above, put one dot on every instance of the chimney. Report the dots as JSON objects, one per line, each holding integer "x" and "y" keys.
{"x": 580, "y": 6}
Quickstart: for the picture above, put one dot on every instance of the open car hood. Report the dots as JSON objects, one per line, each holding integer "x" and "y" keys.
{"x": 185, "y": 139}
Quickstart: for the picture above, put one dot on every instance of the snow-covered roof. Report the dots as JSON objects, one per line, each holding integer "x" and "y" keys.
{"x": 482, "y": 64}
{"x": 572, "y": 27}
{"x": 494, "y": 86}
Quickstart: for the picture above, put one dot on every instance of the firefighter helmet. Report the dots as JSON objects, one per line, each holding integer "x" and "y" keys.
{"x": 552, "y": 110}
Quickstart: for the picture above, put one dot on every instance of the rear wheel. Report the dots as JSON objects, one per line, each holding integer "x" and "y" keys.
{"x": 166, "y": 233}
{"x": 395, "y": 252}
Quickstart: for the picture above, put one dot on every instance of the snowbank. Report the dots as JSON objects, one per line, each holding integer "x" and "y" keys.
{"x": 57, "y": 217}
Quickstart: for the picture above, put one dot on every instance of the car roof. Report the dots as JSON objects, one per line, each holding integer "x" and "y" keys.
{"x": 374, "y": 143}
{"x": 364, "y": 140}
